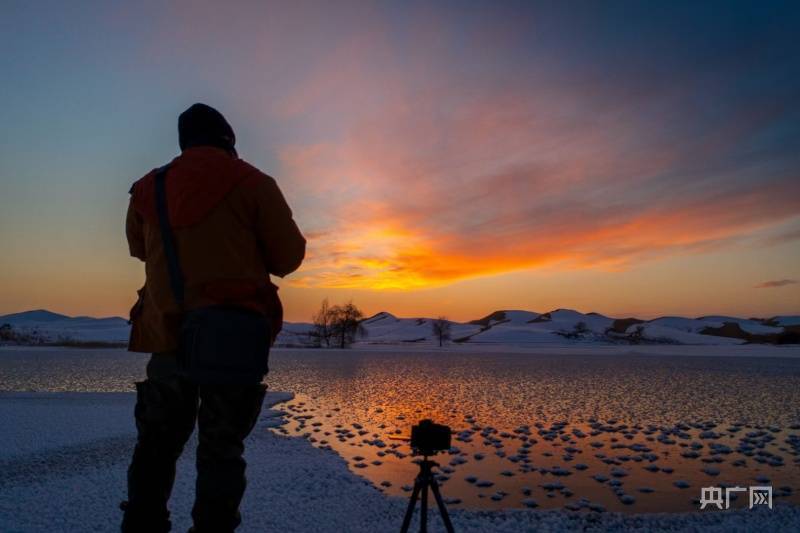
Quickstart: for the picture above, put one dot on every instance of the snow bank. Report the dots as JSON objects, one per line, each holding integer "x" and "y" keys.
{"x": 566, "y": 319}
{"x": 387, "y": 328}
{"x": 63, "y": 459}
{"x": 786, "y": 320}
{"x": 504, "y": 334}
{"x": 655, "y": 332}
{"x": 748, "y": 325}
{"x": 52, "y": 326}
{"x": 510, "y": 327}
{"x": 689, "y": 325}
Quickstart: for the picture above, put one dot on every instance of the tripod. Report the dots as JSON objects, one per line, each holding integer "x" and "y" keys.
{"x": 424, "y": 480}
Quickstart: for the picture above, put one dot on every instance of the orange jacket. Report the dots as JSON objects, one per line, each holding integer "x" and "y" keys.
{"x": 232, "y": 229}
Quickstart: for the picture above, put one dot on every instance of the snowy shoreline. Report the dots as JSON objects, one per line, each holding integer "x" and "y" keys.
{"x": 63, "y": 458}
{"x": 677, "y": 350}
{"x": 681, "y": 350}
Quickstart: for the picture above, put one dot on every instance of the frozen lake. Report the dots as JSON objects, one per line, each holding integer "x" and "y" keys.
{"x": 621, "y": 431}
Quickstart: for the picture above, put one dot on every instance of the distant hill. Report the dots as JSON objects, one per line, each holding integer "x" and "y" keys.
{"x": 511, "y": 327}
{"x": 45, "y": 327}
{"x": 567, "y": 326}
{"x": 36, "y": 316}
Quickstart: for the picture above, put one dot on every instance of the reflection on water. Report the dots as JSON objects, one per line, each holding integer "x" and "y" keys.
{"x": 621, "y": 432}
{"x": 617, "y": 432}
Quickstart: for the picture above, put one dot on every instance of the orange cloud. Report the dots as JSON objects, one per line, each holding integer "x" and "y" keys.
{"x": 430, "y": 176}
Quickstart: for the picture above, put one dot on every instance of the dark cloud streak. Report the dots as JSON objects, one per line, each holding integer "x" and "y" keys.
{"x": 776, "y": 283}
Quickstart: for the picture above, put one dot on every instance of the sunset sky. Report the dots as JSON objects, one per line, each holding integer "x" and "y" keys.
{"x": 442, "y": 158}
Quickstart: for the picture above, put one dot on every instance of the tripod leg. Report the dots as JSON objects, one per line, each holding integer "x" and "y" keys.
{"x": 410, "y": 509}
{"x": 423, "y": 517}
{"x": 442, "y": 509}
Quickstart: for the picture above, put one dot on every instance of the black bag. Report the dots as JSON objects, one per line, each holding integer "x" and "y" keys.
{"x": 218, "y": 344}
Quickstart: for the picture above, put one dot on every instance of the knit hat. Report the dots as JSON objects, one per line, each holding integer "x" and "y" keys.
{"x": 202, "y": 125}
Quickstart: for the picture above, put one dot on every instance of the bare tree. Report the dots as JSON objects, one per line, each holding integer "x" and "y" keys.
{"x": 346, "y": 324}
{"x": 7, "y": 332}
{"x": 579, "y": 331}
{"x": 637, "y": 335}
{"x": 322, "y": 331}
{"x": 441, "y": 329}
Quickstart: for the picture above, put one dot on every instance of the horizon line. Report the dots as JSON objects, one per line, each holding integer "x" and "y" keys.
{"x": 483, "y": 317}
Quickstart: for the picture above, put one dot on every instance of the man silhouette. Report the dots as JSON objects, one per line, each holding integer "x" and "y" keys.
{"x": 231, "y": 229}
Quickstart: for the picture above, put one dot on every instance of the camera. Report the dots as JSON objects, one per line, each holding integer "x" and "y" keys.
{"x": 428, "y": 438}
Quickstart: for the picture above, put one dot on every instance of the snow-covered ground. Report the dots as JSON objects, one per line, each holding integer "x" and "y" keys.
{"x": 63, "y": 459}
{"x": 49, "y": 326}
{"x": 503, "y": 328}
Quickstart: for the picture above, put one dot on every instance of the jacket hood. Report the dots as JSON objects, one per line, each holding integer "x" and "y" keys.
{"x": 196, "y": 182}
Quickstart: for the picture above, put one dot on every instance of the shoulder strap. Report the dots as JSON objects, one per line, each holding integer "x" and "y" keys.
{"x": 167, "y": 238}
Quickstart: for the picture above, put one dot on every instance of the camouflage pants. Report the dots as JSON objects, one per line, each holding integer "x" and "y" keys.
{"x": 167, "y": 406}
